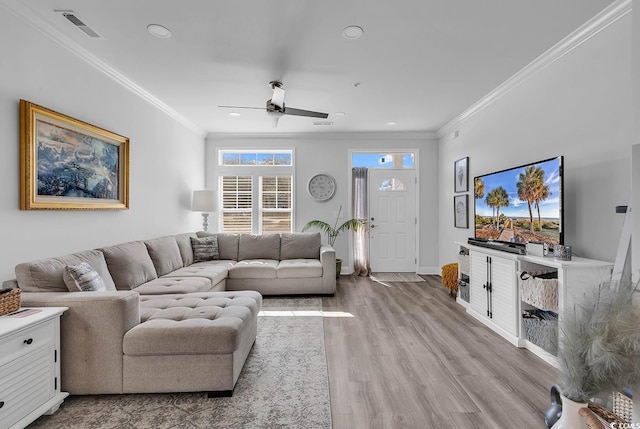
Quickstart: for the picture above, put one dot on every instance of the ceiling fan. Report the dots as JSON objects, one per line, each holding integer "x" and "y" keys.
{"x": 276, "y": 108}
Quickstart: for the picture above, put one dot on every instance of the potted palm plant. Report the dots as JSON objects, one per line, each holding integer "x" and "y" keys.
{"x": 334, "y": 231}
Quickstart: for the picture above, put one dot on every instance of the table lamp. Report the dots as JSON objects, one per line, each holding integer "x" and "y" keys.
{"x": 204, "y": 201}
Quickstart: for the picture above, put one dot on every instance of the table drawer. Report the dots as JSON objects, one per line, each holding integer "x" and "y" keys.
{"x": 25, "y": 340}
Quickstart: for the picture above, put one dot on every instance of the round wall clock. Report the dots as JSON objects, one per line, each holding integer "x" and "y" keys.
{"x": 322, "y": 187}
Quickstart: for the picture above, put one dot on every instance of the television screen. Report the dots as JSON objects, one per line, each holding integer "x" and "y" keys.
{"x": 521, "y": 204}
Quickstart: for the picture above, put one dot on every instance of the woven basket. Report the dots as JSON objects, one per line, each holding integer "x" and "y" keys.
{"x": 542, "y": 332}
{"x": 539, "y": 292}
{"x": 9, "y": 302}
{"x": 463, "y": 264}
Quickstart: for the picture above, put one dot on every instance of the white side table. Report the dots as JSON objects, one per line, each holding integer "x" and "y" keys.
{"x": 30, "y": 366}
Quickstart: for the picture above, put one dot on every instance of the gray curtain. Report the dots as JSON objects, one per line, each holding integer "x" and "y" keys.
{"x": 360, "y": 177}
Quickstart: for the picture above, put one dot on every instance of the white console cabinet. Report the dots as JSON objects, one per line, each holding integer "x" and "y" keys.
{"x": 494, "y": 296}
{"x": 30, "y": 367}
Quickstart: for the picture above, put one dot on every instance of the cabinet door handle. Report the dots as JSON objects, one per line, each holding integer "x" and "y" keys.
{"x": 28, "y": 341}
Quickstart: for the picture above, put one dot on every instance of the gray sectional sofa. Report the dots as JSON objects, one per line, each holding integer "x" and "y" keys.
{"x": 166, "y": 322}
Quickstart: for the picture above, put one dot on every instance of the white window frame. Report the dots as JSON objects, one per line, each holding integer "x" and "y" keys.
{"x": 256, "y": 172}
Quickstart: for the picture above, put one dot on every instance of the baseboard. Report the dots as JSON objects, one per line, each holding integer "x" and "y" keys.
{"x": 429, "y": 271}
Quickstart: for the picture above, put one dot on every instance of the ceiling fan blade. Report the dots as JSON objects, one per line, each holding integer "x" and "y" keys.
{"x": 278, "y": 96}
{"x": 242, "y": 107}
{"x": 300, "y": 112}
{"x": 274, "y": 120}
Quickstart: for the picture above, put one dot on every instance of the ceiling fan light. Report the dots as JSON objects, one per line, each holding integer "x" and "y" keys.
{"x": 352, "y": 32}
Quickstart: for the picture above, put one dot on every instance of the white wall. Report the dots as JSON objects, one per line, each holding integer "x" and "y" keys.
{"x": 166, "y": 159}
{"x": 579, "y": 107}
{"x": 330, "y": 153}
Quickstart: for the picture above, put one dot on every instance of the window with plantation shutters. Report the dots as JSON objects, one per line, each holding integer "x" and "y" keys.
{"x": 255, "y": 191}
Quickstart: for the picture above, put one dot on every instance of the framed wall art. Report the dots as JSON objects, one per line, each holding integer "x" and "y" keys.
{"x": 67, "y": 164}
{"x": 461, "y": 211}
{"x": 461, "y": 175}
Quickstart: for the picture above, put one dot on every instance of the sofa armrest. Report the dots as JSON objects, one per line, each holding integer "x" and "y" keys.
{"x": 91, "y": 333}
{"x": 328, "y": 261}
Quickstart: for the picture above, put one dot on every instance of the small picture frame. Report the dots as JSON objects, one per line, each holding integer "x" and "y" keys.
{"x": 461, "y": 211}
{"x": 461, "y": 175}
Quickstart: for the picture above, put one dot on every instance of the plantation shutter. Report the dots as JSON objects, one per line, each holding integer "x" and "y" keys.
{"x": 237, "y": 204}
{"x": 276, "y": 204}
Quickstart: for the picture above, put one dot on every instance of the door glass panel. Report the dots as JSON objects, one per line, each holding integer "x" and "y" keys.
{"x": 392, "y": 184}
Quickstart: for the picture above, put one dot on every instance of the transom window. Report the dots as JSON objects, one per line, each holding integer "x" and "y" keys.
{"x": 255, "y": 157}
{"x": 383, "y": 160}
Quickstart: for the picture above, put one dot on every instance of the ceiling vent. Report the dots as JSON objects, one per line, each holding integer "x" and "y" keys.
{"x": 69, "y": 14}
{"x": 322, "y": 123}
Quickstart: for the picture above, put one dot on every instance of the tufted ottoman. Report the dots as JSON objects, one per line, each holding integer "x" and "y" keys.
{"x": 190, "y": 343}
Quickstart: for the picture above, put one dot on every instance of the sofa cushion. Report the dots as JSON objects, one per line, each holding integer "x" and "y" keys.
{"x": 167, "y": 285}
{"x": 300, "y": 246}
{"x": 254, "y": 269}
{"x": 206, "y": 323}
{"x": 45, "y": 275}
{"x": 184, "y": 244}
{"x": 299, "y": 268}
{"x": 214, "y": 272}
{"x": 265, "y": 246}
{"x": 129, "y": 264}
{"x": 205, "y": 248}
{"x": 227, "y": 243}
{"x": 165, "y": 254}
{"x": 82, "y": 278}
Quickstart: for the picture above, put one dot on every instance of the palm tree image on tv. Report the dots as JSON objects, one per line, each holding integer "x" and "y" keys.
{"x": 520, "y": 205}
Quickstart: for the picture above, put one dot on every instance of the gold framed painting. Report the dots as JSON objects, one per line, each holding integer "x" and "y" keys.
{"x": 67, "y": 164}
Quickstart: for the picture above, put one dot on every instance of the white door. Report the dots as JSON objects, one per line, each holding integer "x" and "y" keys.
{"x": 392, "y": 220}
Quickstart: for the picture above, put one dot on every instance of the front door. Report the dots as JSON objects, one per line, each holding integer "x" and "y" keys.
{"x": 392, "y": 220}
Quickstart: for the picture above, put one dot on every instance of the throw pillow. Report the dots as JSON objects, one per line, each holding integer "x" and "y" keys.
{"x": 83, "y": 278}
{"x": 205, "y": 249}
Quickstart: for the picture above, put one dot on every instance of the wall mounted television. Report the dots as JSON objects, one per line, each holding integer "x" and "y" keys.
{"x": 521, "y": 204}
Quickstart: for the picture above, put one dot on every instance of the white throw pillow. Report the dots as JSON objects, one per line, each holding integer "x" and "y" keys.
{"x": 82, "y": 278}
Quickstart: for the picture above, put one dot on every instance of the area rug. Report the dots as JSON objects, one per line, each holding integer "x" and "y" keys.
{"x": 284, "y": 384}
{"x": 396, "y": 277}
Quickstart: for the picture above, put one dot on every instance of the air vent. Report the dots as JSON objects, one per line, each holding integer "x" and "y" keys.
{"x": 69, "y": 14}
{"x": 322, "y": 123}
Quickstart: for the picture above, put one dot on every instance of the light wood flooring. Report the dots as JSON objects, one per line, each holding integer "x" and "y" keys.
{"x": 410, "y": 357}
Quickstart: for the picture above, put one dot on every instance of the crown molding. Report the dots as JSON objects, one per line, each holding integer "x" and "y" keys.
{"x": 602, "y": 20}
{"x": 21, "y": 10}
{"x": 354, "y": 135}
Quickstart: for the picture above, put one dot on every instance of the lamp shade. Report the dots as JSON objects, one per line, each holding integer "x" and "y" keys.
{"x": 203, "y": 201}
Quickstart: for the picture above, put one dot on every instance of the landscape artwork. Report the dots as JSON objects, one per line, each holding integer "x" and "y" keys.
{"x": 69, "y": 164}
{"x": 520, "y": 205}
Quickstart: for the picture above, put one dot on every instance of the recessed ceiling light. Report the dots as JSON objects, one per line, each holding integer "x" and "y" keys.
{"x": 234, "y": 114}
{"x": 340, "y": 113}
{"x": 392, "y": 123}
{"x": 159, "y": 31}
{"x": 352, "y": 32}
